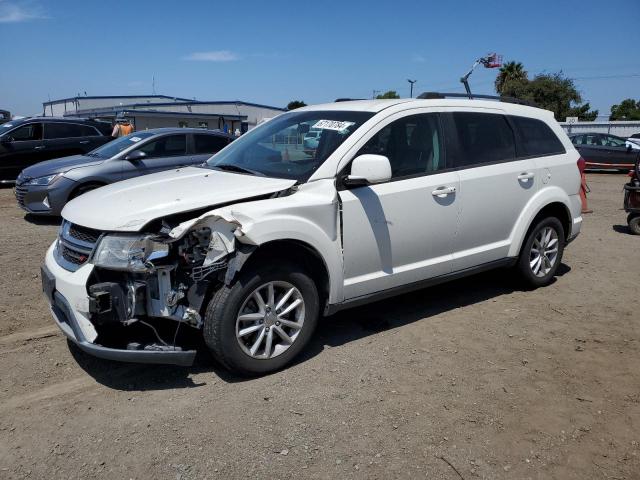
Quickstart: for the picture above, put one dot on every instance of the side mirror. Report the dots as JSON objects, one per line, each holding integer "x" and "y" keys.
{"x": 367, "y": 170}
{"x": 135, "y": 155}
{"x": 6, "y": 139}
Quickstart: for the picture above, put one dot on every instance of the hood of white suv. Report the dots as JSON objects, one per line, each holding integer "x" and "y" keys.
{"x": 130, "y": 204}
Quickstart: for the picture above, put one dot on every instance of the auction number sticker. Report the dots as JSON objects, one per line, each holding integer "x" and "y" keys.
{"x": 336, "y": 125}
{"x": 135, "y": 139}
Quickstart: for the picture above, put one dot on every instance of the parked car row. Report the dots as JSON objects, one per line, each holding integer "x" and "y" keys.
{"x": 46, "y": 187}
{"x": 252, "y": 247}
{"x": 604, "y": 151}
{"x": 31, "y": 140}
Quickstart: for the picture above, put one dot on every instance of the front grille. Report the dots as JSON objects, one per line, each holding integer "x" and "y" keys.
{"x": 72, "y": 256}
{"x": 75, "y": 245}
{"x": 20, "y": 193}
{"x": 84, "y": 234}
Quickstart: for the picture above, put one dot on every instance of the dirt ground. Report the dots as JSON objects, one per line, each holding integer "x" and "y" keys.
{"x": 473, "y": 379}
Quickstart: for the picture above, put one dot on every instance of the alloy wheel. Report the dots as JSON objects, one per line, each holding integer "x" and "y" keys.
{"x": 544, "y": 252}
{"x": 270, "y": 320}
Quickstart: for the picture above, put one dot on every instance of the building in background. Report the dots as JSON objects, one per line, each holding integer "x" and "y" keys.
{"x": 155, "y": 111}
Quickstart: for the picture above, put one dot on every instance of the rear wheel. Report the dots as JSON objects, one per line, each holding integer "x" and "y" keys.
{"x": 634, "y": 223}
{"x": 541, "y": 252}
{"x": 262, "y": 321}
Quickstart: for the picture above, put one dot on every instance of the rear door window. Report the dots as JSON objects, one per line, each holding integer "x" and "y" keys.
{"x": 209, "y": 143}
{"x": 64, "y": 130}
{"x": 481, "y": 138}
{"x": 536, "y": 138}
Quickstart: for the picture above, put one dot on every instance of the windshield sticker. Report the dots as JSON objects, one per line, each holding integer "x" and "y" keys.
{"x": 332, "y": 125}
{"x": 135, "y": 139}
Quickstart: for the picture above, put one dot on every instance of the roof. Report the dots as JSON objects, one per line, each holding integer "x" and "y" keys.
{"x": 379, "y": 105}
{"x": 57, "y": 119}
{"x": 109, "y": 112}
{"x": 101, "y": 97}
{"x": 176, "y": 101}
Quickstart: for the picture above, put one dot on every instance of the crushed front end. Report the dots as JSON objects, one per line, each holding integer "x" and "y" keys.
{"x": 136, "y": 296}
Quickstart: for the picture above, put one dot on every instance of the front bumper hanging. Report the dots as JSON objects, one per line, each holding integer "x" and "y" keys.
{"x": 65, "y": 318}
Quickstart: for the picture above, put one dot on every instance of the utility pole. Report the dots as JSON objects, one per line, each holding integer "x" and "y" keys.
{"x": 411, "y": 82}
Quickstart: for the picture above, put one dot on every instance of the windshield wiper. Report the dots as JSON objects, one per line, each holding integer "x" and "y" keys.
{"x": 235, "y": 168}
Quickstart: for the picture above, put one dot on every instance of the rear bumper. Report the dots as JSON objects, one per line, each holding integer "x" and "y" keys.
{"x": 77, "y": 328}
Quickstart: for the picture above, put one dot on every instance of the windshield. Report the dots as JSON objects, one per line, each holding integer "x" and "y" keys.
{"x": 118, "y": 145}
{"x": 277, "y": 148}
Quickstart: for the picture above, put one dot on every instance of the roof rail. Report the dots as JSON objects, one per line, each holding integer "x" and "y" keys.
{"x": 347, "y": 99}
{"x": 434, "y": 95}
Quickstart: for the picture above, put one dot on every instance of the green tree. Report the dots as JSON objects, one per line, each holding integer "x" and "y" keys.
{"x": 510, "y": 71}
{"x": 551, "y": 91}
{"x": 295, "y": 104}
{"x": 628, "y": 109}
{"x": 388, "y": 94}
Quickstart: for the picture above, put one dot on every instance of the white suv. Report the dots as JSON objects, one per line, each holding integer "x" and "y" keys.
{"x": 251, "y": 248}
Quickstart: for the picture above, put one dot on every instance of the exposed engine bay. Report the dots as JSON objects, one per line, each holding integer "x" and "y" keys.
{"x": 159, "y": 276}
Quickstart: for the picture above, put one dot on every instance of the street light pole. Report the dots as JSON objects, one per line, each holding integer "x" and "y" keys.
{"x": 411, "y": 82}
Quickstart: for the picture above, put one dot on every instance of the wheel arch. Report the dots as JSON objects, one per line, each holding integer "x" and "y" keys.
{"x": 297, "y": 251}
{"x": 551, "y": 202}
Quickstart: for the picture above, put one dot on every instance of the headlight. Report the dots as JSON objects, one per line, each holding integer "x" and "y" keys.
{"x": 128, "y": 252}
{"x": 48, "y": 180}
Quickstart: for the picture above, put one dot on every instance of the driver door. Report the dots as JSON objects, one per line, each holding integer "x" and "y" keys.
{"x": 401, "y": 231}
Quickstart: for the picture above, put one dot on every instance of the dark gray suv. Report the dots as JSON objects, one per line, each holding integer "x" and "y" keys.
{"x": 45, "y": 188}
{"x": 31, "y": 140}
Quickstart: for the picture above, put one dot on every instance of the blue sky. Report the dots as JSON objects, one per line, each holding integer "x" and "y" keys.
{"x": 273, "y": 52}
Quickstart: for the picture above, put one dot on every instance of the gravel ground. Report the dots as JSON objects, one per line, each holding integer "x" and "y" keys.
{"x": 473, "y": 379}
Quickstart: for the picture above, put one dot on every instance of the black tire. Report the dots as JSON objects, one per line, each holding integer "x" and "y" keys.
{"x": 84, "y": 189}
{"x": 524, "y": 267}
{"x": 219, "y": 328}
{"x": 634, "y": 223}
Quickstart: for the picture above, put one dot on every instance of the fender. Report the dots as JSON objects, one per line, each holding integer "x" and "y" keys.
{"x": 310, "y": 216}
{"x": 541, "y": 199}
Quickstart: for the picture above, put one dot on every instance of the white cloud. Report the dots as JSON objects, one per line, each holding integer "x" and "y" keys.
{"x": 214, "y": 56}
{"x": 417, "y": 58}
{"x": 12, "y": 12}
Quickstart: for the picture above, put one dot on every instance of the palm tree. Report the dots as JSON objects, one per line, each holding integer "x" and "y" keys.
{"x": 508, "y": 72}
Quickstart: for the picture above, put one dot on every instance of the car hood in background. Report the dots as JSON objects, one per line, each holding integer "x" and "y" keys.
{"x": 60, "y": 165}
{"x": 131, "y": 204}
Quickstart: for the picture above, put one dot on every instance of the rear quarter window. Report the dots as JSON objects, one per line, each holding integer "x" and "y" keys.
{"x": 536, "y": 138}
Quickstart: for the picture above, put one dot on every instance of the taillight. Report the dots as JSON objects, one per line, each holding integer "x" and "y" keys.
{"x": 630, "y": 174}
{"x": 581, "y": 165}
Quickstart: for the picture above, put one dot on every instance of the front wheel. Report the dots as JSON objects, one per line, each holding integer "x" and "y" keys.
{"x": 541, "y": 252}
{"x": 262, "y": 321}
{"x": 634, "y": 223}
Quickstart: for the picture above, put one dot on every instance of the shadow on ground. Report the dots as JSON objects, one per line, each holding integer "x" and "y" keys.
{"x": 340, "y": 329}
{"x": 42, "y": 220}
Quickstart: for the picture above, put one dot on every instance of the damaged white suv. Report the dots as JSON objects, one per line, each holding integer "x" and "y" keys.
{"x": 251, "y": 248}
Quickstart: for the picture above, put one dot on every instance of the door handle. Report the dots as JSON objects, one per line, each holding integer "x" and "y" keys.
{"x": 39, "y": 147}
{"x": 526, "y": 176}
{"x": 84, "y": 142}
{"x": 442, "y": 192}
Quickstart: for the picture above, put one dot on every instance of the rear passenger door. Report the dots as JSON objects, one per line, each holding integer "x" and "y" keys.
{"x": 205, "y": 145}
{"x": 63, "y": 139}
{"x": 164, "y": 153}
{"x": 495, "y": 185}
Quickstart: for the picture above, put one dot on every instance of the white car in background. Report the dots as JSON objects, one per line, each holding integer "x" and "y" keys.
{"x": 251, "y": 249}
